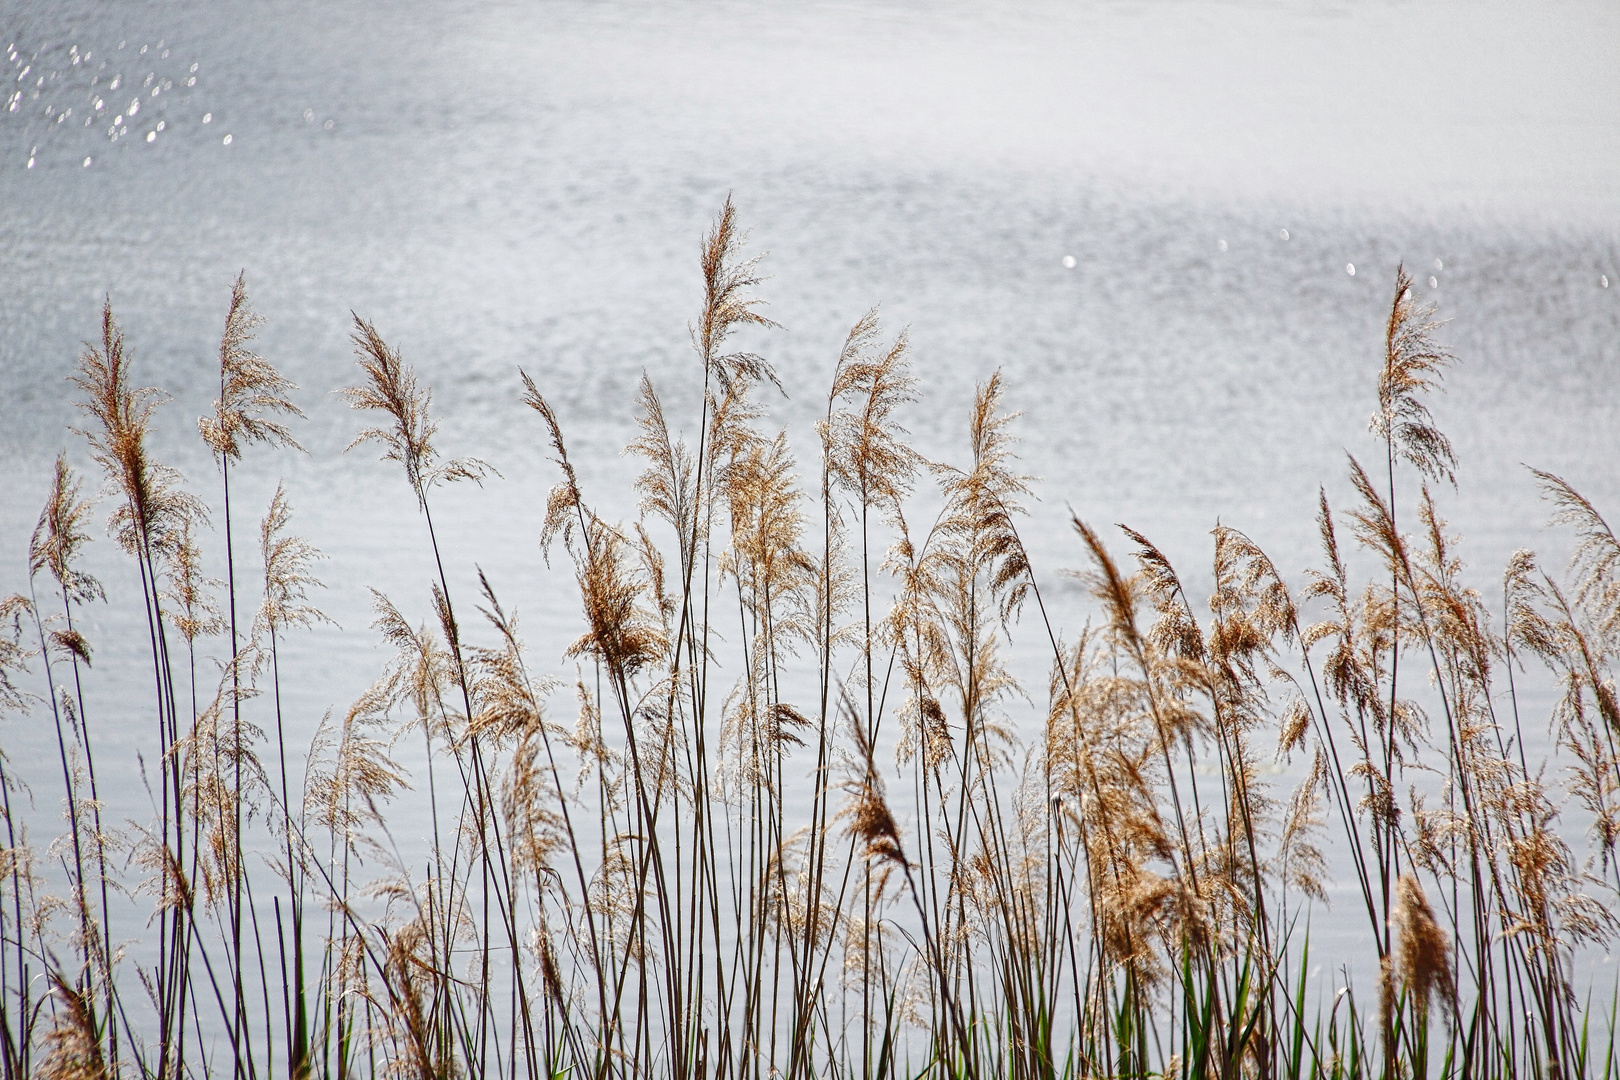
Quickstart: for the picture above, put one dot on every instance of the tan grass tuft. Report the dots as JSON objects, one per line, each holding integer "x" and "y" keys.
{"x": 728, "y": 306}
{"x": 867, "y": 454}
{"x": 59, "y": 538}
{"x": 288, "y": 577}
{"x": 154, "y": 514}
{"x": 1425, "y": 949}
{"x": 191, "y": 592}
{"x": 390, "y": 387}
{"x": 1413, "y": 365}
{"x": 72, "y": 1046}
{"x": 1596, "y": 560}
{"x": 252, "y": 391}
{"x": 867, "y": 814}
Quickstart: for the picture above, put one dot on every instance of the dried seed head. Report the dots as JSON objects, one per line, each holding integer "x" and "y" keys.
{"x": 390, "y": 387}
{"x": 1413, "y": 366}
{"x": 866, "y": 450}
{"x": 59, "y": 537}
{"x": 190, "y": 591}
{"x": 72, "y": 1049}
{"x": 155, "y": 509}
{"x": 287, "y": 575}
{"x": 251, "y": 390}
{"x": 870, "y": 820}
{"x": 1596, "y": 560}
{"x": 1425, "y": 951}
{"x": 728, "y": 305}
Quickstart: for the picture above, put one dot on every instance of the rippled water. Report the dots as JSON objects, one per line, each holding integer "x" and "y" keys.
{"x": 1144, "y": 214}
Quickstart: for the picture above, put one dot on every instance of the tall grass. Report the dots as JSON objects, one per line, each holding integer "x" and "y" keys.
{"x": 805, "y": 822}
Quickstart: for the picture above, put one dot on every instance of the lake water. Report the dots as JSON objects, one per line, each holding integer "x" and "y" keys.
{"x": 523, "y": 184}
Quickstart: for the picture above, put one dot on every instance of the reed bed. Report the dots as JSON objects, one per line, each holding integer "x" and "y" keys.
{"x": 802, "y": 820}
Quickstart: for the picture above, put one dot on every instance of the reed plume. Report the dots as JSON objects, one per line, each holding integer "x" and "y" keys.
{"x": 870, "y": 822}
{"x": 1595, "y": 562}
{"x": 623, "y": 633}
{"x": 288, "y": 576}
{"x": 1413, "y": 365}
{"x": 13, "y": 655}
{"x": 867, "y": 452}
{"x": 190, "y": 592}
{"x": 728, "y": 305}
{"x": 252, "y": 393}
{"x": 1425, "y": 952}
{"x": 565, "y": 505}
{"x": 59, "y": 540}
{"x": 391, "y": 388}
{"x": 666, "y": 484}
{"x": 155, "y": 510}
{"x": 73, "y": 1045}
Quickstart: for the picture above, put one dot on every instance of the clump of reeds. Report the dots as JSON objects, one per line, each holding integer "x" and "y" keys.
{"x": 711, "y": 870}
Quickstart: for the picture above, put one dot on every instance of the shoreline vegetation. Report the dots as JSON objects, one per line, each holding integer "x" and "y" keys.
{"x": 711, "y": 869}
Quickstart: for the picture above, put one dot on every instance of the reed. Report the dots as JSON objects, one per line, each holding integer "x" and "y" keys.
{"x": 805, "y": 821}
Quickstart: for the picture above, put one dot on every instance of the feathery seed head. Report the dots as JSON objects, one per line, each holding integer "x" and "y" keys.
{"x": 728, "y": 305}
{"x": 60, "y": 537}
{"x": 1425, "y": 950}
{"x": 390, "y": 387}
{"x": 1413, "y": 365}
{"x": 155, "y": 509}
{"x": 251, "y": 391}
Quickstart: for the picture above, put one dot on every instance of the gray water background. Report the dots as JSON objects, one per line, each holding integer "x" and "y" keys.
{"x": 500, "y": 185}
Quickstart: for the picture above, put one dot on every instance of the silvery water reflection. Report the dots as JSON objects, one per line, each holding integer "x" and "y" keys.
{"x": 1174, "y": 228}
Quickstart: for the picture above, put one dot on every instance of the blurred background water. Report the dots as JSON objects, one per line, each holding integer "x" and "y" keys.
{"x": 1145, "y": 214}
